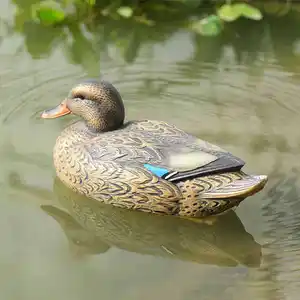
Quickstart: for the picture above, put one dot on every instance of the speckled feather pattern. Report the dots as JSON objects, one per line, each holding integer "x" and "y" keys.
{"x": 109, "y": 167}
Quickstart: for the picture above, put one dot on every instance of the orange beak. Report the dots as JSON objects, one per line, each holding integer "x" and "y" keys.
{"x": 56, "y": 112}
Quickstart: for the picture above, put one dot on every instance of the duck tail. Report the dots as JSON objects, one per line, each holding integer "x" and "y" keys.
{"x": 244, "y": 186}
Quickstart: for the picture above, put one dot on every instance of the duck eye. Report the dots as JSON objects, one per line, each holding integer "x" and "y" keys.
{"x": 80, "y": 96}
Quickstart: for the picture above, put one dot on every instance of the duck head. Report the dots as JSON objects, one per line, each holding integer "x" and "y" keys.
{"x": 99, "y": 104}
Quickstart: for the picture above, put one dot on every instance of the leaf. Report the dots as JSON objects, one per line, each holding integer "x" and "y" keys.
{"x": 248, "y": 11}
{"x": 143, "y": 19}
{"x": 48, "y": 12}
{"x": 228, "y": 13}
{"x": 209, "y": 26}
{"x": 91, "y": 2}
{"x": 125, "y": 11}
{"x": 43, "y": 45}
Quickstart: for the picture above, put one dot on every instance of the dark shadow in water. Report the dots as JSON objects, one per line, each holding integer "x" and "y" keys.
{"x": 92, "y": 228}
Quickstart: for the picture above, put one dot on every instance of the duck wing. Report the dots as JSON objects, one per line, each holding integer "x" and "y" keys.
{"x": 198, "y": 164}
{"x": 162, "y": 149}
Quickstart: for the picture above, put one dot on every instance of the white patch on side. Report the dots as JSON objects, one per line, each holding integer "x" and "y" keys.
{"x": 189, "y": 161}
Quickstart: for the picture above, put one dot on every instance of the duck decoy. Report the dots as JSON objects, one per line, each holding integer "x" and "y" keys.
{"x": 144, "y": 165}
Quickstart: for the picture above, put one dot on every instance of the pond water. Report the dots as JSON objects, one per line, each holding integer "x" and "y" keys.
{"x": 239, "y": 90}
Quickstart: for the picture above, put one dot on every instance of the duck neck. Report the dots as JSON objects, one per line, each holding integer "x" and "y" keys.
{"x": 99, "y": 125}
{"x": 78, "y": 132}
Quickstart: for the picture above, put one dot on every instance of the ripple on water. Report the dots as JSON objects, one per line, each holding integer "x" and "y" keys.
{"x": 281, "y": 231}
{"x": 214, "y": 99}
{"x": 28, "y": 87}
{"x": 205, "y": 98}
{"x": 31, "y": 91}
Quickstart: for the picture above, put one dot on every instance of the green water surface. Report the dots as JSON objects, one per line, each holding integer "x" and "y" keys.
{"x": 239, "y": 90}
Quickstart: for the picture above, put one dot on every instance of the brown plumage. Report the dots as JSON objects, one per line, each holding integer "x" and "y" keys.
{"x": 143, "y": 165}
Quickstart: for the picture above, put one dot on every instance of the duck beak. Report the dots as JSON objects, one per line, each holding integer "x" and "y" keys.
{"x": 56, "y": 112}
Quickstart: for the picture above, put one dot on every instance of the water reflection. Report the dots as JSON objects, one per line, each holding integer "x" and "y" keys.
{"x": 93, "y": 229}
{"x": 96, "y": 227}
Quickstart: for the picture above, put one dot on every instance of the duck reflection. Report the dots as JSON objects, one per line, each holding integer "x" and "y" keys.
{"x": 92, "y": 228}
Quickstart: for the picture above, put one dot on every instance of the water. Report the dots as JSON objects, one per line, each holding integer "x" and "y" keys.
{"x": 239, "y": 90}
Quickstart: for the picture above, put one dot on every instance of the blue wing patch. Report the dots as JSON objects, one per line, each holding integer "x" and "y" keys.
{"x": 158, "y": 171}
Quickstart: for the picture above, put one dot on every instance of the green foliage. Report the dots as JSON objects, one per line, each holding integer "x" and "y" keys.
{"x": 231, "y": 12}
{"x": 91, "y": 2}
{"x": 213, "y": 24}
{"x": 89, "y": 29}
{"x": 209, "y": 26}
{"x": 125, "y": 11}
{"x": 248, "y": 11}
{"x": 228, "y": 13}
{"x": 48, "y": 12}
{"x": 52, "y": 12}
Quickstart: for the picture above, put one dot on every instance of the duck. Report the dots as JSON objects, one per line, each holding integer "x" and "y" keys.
{"x": 144, "y": 165}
